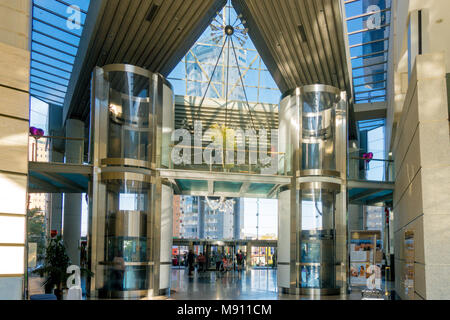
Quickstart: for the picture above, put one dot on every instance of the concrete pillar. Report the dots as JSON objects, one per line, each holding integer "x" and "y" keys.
{"x": 248, "y": 256}
{"x": 201, "y": 217}
{"x": 56, "y": 155}
{"x": 355, "y": 217}
{"x": 237, "y": 218}
{"x": 72, "y": 201}
{"x": 14, "y": 126}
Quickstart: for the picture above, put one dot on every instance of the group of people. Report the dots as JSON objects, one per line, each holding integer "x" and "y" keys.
{"x": 223, "y": 263}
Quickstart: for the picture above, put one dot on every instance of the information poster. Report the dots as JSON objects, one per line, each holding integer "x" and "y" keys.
{"x": 408, "y": 272}
{"x": 362, "y": 245}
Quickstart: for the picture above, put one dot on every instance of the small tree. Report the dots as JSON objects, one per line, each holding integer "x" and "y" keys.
{"x": 55, "y": 266}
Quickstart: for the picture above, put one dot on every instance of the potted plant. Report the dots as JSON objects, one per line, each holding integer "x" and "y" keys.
{"x": 55, "y": 266}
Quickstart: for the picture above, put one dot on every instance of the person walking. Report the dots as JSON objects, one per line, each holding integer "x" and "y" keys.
{"x": 218, "y": 261}
{"x": 201, "y": 262}
{"x": 240, "y": 260}
{"x": 190, "y": 261}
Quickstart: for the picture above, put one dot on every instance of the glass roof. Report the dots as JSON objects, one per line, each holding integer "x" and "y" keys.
{"x": 56, "y": 32}
{"x": 368, "y": 24}
{"x": 192, "y": 75}
{"x": 368, "y": 125}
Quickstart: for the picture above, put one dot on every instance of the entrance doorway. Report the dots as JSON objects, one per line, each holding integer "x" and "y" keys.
{"x": 263, "y": 257}
{"x": 216, "y": 251}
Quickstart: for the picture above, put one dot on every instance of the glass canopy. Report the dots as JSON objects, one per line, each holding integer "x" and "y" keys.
{"x": 368, "y": 125}
{"x": 57, "y": 26}
{"x": 193, "y": 74}
{"x": 368, "y": 24}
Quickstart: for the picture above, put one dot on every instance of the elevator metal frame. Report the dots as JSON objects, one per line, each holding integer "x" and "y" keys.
{"x": 331, "y": 180}
{"x": 138, "y": 172}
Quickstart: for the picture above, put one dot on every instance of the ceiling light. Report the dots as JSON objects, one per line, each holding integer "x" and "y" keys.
{"x": 152, "y": 12}
{"x": 302, "y": 32}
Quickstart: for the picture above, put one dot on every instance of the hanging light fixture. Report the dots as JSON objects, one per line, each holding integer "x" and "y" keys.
{"x": 221, "y": 205}
{"x": 228, "y": 32}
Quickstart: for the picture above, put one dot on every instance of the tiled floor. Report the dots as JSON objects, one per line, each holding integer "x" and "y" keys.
{"x": 250, "y": 285}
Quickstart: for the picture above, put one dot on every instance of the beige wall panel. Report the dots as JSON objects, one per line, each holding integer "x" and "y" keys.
{"x": 14, "y": 20}
{"x": 14, "y": 103}
{"x": 409, "y": 206}
{"x": 437, "y": 282}
{"x": 431, "y": 65}
{"x": 406, "y": 131}
{"x": 13, "y": 145}
{"x": 418, "y": 228}
{"x": 436, "y": 190}
{"x": 420, "y": 280}
{"x": 432, "y": 99}
{"x": 409, "y": 168}
{"x": 12, "y": 229}
{"x": 435, "y": 143}
{"x": 12, "y": 259}
{"x": 398, "y": 244}
{"x": 14, "y": 67}
{"x": 11, "y": 288}
{"x": 13, "y": 188}
{"x": 14, "y": 39}
{"x": 399, "y": 265}
{"x": 437, "y": 236}
{"x": 18, "y": 5}
{"x": 417, "y": 297}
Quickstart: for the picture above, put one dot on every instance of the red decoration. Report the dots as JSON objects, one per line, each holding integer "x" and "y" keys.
{"x": 367, "y": 156}
{"x": 36, "y": 132}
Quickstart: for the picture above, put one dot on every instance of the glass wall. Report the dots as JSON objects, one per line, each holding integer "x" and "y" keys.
{"x": 372, "y": 145}
{"x": 368, "y": 37}
{"x": 374, "y": 219}
{"x": 260, "y": 219}
{"x": 192, "y": 75}
{"x": 238, "y": 218}
{"x": 317, "y": 244}
{"x": 126, "y": 243}
{"x": 128, "y": 236}
{"x": 319, "y": 130}
{"x": 130, "y": 120}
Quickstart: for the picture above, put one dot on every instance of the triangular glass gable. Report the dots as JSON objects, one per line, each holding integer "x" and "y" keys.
{"x": 193, "y": 73}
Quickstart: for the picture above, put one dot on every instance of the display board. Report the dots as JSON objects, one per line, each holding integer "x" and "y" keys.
{"x": 408, "y": 270}
{"x": 363, "y": 246}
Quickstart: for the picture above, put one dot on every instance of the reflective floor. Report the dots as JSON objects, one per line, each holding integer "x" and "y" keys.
{"x": 250, "y": 285}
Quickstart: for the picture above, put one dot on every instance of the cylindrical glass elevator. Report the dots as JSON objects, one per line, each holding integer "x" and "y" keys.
{"x": 313, "y": 122}
{"x": 132, "y": 107}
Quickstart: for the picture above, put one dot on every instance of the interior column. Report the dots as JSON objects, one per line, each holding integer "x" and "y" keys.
{"x": 73, "y": 201}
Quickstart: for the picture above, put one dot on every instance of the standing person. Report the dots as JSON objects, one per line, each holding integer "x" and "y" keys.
{"x": 218, "y": 261}
{"x": 185, "y": 259}
{"x": 224, "y": 266}
{"x": 201, "y": 262}
{"x": 240, "y": 260}
{"x": 118, "y": 269}
{"x": 274, "y": 259}
{"x": 190, "y": 261}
